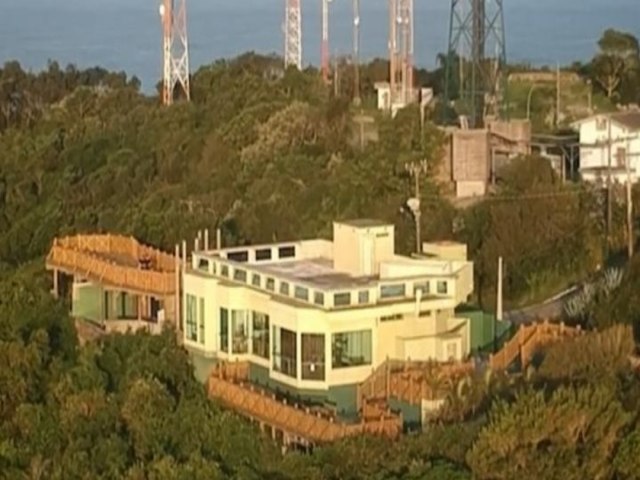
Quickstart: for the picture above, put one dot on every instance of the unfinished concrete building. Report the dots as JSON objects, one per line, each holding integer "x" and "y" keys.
{"x": 473, "y": 156}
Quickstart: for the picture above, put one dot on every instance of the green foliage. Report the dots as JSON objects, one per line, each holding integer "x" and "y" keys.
{"x": 616, "y": 67}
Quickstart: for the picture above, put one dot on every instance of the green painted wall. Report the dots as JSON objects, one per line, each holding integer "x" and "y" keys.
{"x": 411, "y": 414}
{"x": 87, "y": 303}
{"x": 485, "y": 330}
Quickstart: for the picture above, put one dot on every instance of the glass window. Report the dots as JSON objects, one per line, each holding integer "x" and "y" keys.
{"x": 424, "y": 287}
{"x": 191, "y": 320}
{"x": 240, "y": 275}
{"x": 312, "y": 356}
{"x": 255, "y": 280}
{"x": 263, "y": 254}
{"x": 240, "y": 330}
{"x": 389, "y": 318}
{"x": 301, "y": 293}
{"x": 363, "y": 296}
{"x": 224, "y": 270}
{"x": 242, "y": 256}
{"x": 442, "y": 287}
{"x": 351, "y": 349}
{"x": 260, "y": 335}
{"x": 224, "y": 330}
{"x": 271, "y": 284}
{"x": 287, "y": 252}
{"x": 201, "y": 318}
{"x": 342, "y": 299}
{"x": 318, "y": 298}
{"x": 284, "y": 351}
{"x": 284, "y": 288}
{"x": 392, "y": 291}
{"x": 203, "y": 264}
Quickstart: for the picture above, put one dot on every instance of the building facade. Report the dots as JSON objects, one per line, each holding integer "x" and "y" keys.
{"x": 607, "y": 142}
{"x": 316, "y": 315}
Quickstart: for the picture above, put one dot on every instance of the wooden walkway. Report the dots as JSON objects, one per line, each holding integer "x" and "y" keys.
{"x": 412, "y": 382}
{"x": 528, "y": 340}
{"x": 115, "y": 261}
{"x": 228, "y": 383}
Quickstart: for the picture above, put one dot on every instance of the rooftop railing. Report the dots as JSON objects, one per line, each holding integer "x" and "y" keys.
{"x": 377, "y": 291}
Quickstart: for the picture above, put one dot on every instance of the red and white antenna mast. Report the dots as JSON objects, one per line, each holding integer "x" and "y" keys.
{"x": 325, "y": 40}
{"x": 401, "y": 50}
{"x": 176, "y": 50}
{"x": 293, "y": 34}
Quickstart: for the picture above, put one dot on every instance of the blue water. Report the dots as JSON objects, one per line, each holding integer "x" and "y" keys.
{"x": 126, "y": 34}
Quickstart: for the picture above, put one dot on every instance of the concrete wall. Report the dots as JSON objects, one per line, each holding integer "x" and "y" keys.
{"x": 471, "y": 155}
{"x": 359, "y": 250}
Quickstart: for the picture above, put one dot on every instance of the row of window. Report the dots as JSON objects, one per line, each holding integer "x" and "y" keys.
{"x": 262, "y": 254}
{"x": 243, "y": 332}
{"x": 340, "y": 299}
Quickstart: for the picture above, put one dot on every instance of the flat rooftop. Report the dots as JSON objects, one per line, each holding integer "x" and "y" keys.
{"x": 365, "y": 223}
{"x": 315, "y": 272}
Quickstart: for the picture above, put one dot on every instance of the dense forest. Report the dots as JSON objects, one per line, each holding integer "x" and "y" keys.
{"x": 268, "y": 154}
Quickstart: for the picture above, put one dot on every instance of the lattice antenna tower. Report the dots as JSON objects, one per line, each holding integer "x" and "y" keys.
{"x": 325, "y": 40}
{"x": 477, "y": 60}
{"x": 293, "y": 34}
{"x": 401, "y": 50}
{"x": 173, "y": 14}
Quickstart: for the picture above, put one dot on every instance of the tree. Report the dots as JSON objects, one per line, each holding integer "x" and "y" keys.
{"x": 618, "y": 58}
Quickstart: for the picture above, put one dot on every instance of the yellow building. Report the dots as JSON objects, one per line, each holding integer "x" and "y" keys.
{"x": 317, "y": 315}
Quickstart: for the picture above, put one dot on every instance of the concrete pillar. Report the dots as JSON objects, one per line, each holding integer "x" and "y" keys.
{"x": 206, "y": 239}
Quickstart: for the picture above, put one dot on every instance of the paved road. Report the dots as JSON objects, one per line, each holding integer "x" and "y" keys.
{"x": 550, "y": 308}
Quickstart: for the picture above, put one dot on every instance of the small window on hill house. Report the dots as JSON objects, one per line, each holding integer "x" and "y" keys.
{"x": 442, "y": 287}
{"x": 287, "y": 252}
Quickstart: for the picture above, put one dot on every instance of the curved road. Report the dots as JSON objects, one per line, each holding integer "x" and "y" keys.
{"x": 550, "y": 308}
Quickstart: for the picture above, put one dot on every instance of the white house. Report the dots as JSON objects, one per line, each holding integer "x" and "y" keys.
{"x": 606, "y": 142}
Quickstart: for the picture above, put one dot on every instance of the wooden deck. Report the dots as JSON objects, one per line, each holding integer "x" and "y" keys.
{"x": 115, "y": 261}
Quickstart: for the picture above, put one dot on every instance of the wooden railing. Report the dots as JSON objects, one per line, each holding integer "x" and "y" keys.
{"x": 119, "y": 245}
{"x": 527, "y": 340}
{"x": 411, "y": 382}
{"x": 89, "y": 257}
{"x": 315, "y": 426}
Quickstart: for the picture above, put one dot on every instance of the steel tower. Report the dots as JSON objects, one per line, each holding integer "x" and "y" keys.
{"x": 356, "y": 51}
{"x": 176, "y": 51}
{"x": 325, "y": 40}
{"x": 401, "y": 51}
{"x": 293, "y": 34}
{"x": 477, "y": 59}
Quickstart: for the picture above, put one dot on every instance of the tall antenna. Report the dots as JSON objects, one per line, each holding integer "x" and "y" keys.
{"x": 356, "y": 51}
{"x": 325, "y": 40}
{"x": 176, "y": 50}
{"x": 293, "y": 34}
{"x": 477, "y": 29}
{"x": 401, "y": 51}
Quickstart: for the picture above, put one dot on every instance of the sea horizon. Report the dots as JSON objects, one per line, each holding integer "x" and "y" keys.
{"x": 125, "y": 36}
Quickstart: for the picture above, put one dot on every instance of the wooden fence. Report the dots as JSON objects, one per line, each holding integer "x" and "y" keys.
{"x": 314, "y": 426}
{"x": 529, "y": 339}
{"x": 89, "y": 256}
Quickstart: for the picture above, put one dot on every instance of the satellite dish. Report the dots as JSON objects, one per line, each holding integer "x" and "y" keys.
{"x": 414, "y": 204}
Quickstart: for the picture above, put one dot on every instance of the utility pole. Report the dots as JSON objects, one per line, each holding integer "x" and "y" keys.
{"x": 293, "y": 34}
{"x": 557, "y": 94}
{"x": 630, "y": 239}
{"x": 609, "y": 196}
{"x": 175, "y": 50}
{"x": 499, "y": 292}
{"x": 415, "y": 170}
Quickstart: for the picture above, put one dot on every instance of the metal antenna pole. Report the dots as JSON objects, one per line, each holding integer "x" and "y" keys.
{"x": 356, "y": 52}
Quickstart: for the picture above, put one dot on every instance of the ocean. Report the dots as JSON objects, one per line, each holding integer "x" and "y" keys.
{"x": 126, "y": 34}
